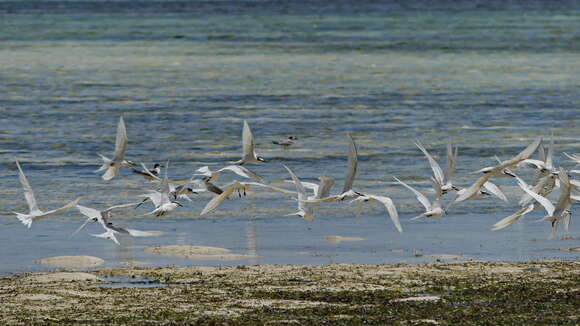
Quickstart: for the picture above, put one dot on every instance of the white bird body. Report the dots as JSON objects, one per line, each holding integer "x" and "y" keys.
{"x": 35, "y": 213}
{"x": 110, "y": 230}
{"x": 237, "y": 169}
{"x": 248, "y": 147}
{"x": 285, "y": 143}
{"x": 304, "y": 211}
{"x": 112, "y": 166}
{"x": 443, "y": 178}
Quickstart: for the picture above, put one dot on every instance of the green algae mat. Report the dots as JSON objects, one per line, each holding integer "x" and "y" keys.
{"x": 472, "y": 293}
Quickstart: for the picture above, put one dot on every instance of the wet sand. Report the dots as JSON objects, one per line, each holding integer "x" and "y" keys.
{"x": 539, "y": 293}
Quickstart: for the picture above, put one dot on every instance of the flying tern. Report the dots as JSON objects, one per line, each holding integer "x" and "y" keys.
{"x": 432, "y": 209}
{"x": 442, "y": 177}
{"x": 34, "y": 212}
{"x": 561, "y": 212}
{"x": 118, "y": 161}
{"x": 237, "y": 169}
{"x": 285, "y": 143}
{"x": 501, "y": 169}
{"x": 305, "y": 212}
{"x": 248, "y": 147}
{"x": 152, "y": 174}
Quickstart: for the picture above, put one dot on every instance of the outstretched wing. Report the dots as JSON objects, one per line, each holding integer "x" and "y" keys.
{"x": 28, "y": 194}
{"x": 121, "y": 141}
{"x": 420, "y": 197}
{"x": 352, "y": 164}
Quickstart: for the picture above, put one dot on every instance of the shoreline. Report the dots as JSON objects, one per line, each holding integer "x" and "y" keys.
{"x": 540, "y": 292}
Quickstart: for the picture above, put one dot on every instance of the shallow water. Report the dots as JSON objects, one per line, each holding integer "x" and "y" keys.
{"x": 185, "y": 75}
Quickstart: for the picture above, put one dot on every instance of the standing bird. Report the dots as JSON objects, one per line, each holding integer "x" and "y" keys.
{"x": 118, "y": 161}
{"x": 34, "y": 212}
{"x": 248, "y": 147}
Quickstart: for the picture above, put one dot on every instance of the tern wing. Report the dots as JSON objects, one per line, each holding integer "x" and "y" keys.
{"x": 545, "y": 202}
{"x": 147, "y": 173}
{"x": 121, "y": 141}
{"x": 277, "y": 189}
{"x": 121, "y": 206}
{"x": 525, "y": 154}
{"x": 217, "y": 200}
{"x": 451, "y": 163}
{"x": 352, "y": 164}
{"x": 307, "y": 185}
{"x": 507, "y": 221}
{"x": 91, "y": 213}
{"x": 28, "y": 194}
{"x": 82, "y": 226}
{"x": 248, "y": 145}
{"x": 495, "y": 190}
{"x": 69, "y": 205}
{"x": 109, "y": 234}
{"x": 473, "y": 189}
{"x": 324, "y": 187}
{"x": 420, "y": 197}
{"x": 139, "y": 233}
{"x": 299, "y": 188}
{"x": 391, "y": 209}
{"x": 242, "y": 171}
{"x": 437, "y": 171}
{"x": 550, "y": 155}
{"x": 154, "y": 196}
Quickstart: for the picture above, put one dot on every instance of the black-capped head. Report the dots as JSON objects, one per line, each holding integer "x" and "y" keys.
{"x": 261, "y": 159}
{"x": 508, "y": 172}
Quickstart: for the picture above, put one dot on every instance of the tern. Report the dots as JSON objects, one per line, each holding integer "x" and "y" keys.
{"x": 110, "y": 230}
{"x": 385, "y": 201}
{"x": 241, "y": 188}
{"x": 248, "y": 147}
{"x": 527, "y": 207}
{"x": 34, "y": 212}
{"x": 152, "y": 174}
{"x": 118, "y": 161}
{"x": 561, "y": 212}
{"x": 237, "y": 169}
{"x": 432, "y": 209}
{"x": 320, "y": 190}
{"x": 285, "y": 143}
{"x": 352, "y": 165}
{"x": 501, "y": 169}
{"x": 443, "y": 178}
{"x": 161, "y": 199}
{"x": 93, "y": 215}
{"x": 305, "y": 212}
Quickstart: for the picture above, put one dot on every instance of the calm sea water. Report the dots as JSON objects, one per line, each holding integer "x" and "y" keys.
{"x": 488, "y": 76}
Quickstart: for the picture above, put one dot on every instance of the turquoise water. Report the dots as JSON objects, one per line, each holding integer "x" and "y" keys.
{"x": 488, "y": 76}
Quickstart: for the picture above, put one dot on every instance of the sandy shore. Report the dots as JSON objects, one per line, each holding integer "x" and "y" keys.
{"x": 461, "y": 293}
